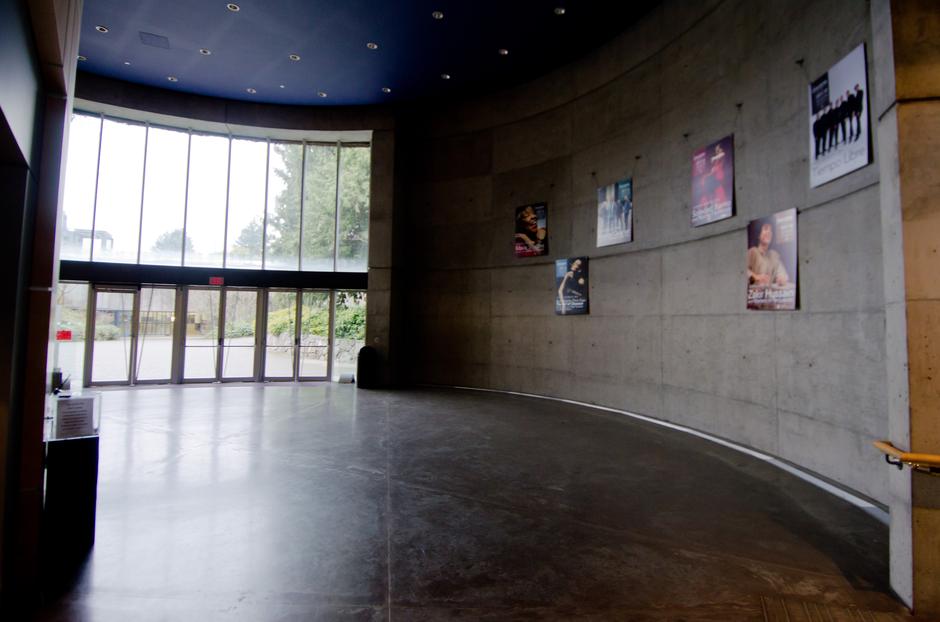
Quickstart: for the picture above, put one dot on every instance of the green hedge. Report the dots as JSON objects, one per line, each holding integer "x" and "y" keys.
{"x": 350, "y": 322}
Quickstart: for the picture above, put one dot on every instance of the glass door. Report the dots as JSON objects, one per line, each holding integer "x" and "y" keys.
{"x": 238, "y": 346}
{"x": 201, "y": 342}
{"x": 349, "y": 332}
{"x": 314, "y": 348}
{"x": 280, "y": 338}
{"x": 112, "y": 347}
{"x": 155, "y": 334}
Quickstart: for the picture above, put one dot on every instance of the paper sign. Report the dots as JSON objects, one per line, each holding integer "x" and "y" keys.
{"x": 75, "y": 417}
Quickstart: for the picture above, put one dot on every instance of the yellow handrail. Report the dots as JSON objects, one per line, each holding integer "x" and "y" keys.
{"x": 924, "y": 462}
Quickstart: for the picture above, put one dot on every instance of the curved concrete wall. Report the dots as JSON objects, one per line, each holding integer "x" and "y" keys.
{"x": 668, "y": 334}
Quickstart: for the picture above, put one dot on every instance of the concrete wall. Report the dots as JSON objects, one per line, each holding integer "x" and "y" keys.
{"x": 668, "y": 334}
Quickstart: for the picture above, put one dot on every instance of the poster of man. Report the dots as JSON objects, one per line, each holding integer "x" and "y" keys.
{"x": 771, "y": 262}
{"x": 615, "y": 213}
{"x": 531, "y": 237}
{"x": 571, "y": 286}
{"x": 713, "y": 182}
{"x": 838, "y": 124}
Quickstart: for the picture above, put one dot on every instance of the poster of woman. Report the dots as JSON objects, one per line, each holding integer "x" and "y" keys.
{"x": 571, "y": 286}
{"x": 615, "y": 213}
{"x": 531, "y": 237}
{"x": 713, "y": 182}
{"x": 771, "y": 262}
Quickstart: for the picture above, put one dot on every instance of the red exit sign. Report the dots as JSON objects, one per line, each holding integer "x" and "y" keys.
{"x": 216, "y": 280}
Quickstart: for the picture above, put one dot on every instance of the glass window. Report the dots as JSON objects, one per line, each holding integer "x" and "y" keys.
{"x": 282, "y": 233}
{"x": 68, "y": 350}
{"x": 246, "y": 203}
{"x": 205, "y": 208}
{"x": 319, "y": 233}
{"x": 111, "y": 358}
{"x": 161, "y": 237}
{"x": 81, "y": 174}
{"x": 353, "y": 252}
{"x": 349, "y": 331}
{"x": 120, "y": 178}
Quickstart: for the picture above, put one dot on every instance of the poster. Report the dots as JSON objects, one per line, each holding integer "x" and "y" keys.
{"x": 615, "y": 213}
{"x": 838, "y": 123}
{"x": 713, "y": 182}
{"x": 771, "y": 262}
{"x": 571, "y": 286}
{"x": 531, "y": 237}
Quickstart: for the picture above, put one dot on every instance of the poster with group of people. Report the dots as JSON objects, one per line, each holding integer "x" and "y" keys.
{"x": 615, "y": 213}
{"x": 838, "y": 127}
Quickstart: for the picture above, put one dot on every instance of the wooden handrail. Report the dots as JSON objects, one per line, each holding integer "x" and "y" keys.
{"x": 921, "y": 462}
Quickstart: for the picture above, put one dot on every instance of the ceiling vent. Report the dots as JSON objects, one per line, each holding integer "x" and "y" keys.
{"x": 157, "y": 41}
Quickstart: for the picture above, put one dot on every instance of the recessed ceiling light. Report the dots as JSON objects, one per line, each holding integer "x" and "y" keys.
{"x": 445, "y": 76}
{"x": 437, "y": 15}
{"x": 559, "y": 10}
{"x": 234, "y": 8}
{"x": 321, "y": 94}
{"x": 372, "y": 46}
{"x": 294, "y": 57}
{"x": 385, "y": 89}
{"x": 251, "y": 90}
{"x": 280, "y": 86}
{"x": 205, "y": 51}
{"x": 82, "y": 58}
{"x": 127, "y": 62}
{"x": 172, "y": 78}
{"x": 101, "y": 29}
{"x": 503, "y": 52}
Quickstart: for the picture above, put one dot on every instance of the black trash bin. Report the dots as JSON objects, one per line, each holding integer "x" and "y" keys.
{"x": 367, "y": 368}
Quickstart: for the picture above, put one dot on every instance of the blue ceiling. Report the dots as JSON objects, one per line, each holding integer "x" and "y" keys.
{"x": 149, "y": 40}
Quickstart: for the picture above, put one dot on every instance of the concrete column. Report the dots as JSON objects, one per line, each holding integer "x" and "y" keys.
{"x": 907, "y": 102}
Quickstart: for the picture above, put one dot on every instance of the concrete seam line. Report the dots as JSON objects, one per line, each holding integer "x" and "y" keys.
{"x": 820, "y": 483}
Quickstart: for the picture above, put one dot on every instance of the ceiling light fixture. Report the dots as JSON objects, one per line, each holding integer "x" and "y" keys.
{"x": 445, "y": 76}
{"x": 437, "y": 15}
{"x": 234, "y": 8}
{"x": 251, "y": 90}
{"x": 386, "y": 90}
{"x": 280, "y": 86}
{"x": 205, "y": 51}
{"x": 503, "y": 52}
{"x": 321, "y": 94}
{"x": 294, "y": 57}
{"x": 559, "y": 10}
{"x": 82, "y": 58}
{"x": 172, "y": 78}
{"x": 372, "y": 46}
{"x": 101, "y": 29}
{"x": 127, "y": 62}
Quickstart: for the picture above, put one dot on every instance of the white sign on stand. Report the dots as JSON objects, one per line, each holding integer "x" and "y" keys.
{"x": 75, "y": 416}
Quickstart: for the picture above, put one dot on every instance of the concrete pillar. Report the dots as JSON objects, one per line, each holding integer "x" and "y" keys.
{"x": 907, "y": 104}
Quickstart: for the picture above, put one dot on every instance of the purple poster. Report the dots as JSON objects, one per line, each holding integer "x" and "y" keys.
{"x": 713, "y": 182}
{"x": 531, "y": 237}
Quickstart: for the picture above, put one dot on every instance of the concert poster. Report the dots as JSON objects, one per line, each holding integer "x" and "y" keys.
{"x": 772, "y": 262}
{"x": 571, "y": 286}
{"x": 531, "y": 236}
{"x": 838, "y": 122}
{"x": 713, "y": 182}
{"x": 615, "y": 213}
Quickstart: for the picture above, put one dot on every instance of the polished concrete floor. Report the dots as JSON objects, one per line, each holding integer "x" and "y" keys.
{"x": 324, "y": 502}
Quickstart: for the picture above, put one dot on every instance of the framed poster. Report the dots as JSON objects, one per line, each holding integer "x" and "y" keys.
{"x": 838, "y": 123}
{"x": 571, "y": 286}
{"x": 772, "y": 261}
{"x": 615, "y": 213}
{"x": 531, "y": 237}
{"x": 713, "y": 182}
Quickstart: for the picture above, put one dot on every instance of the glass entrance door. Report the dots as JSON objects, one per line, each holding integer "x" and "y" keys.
{"x": 201, "y": 350}
{"x": 155, "y": 336}
{"x": 238, "y": 346}
{"x": 113, "y": 344}
{"x": 315, "y": 325}
{"x": 280, "y": 338}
